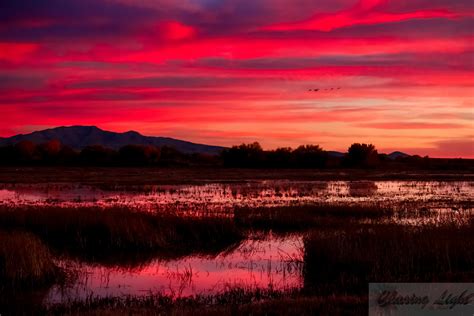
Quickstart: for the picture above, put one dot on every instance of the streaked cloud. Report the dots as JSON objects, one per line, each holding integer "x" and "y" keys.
{"x": 396, "y": 73}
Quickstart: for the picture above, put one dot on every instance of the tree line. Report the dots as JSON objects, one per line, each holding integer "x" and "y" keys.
{"x": 55, "y": 153}
{"x": 243, "y": 156}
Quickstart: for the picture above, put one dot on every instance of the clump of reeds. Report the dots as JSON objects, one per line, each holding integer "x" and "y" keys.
{"x": 240, "y": 301}
{"x": 95, "y": 233}
{"x": 25, "y": 261}
{"x": 308, "y": 215}
{"x": 347, "y": 259}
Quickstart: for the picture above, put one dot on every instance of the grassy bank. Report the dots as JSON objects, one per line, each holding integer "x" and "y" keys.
{"x": 25, "y": 261}
{"x": 99, "y": 235}
{"x": 238, "y": 301}
{"x": 345, "y": 260}
{"x": 345, "y": 248}
{"x": 297, "y": 217}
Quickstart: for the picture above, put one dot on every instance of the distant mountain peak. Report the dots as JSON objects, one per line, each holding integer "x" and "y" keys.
{"x": 74, "y": 127}
{"x": 335, "y": 154}
{"x": 397, "y": 154}
{"x": 133, "y": 133}
{"x": 78, "y": 137}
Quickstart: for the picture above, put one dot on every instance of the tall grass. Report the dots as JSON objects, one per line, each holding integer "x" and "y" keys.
{"x": 295, "y": 217}
{"x": 25, "y": 261}
{"x": 236, "y": 301}
{"x": 108, "y": 234}
{"x": 346, "y": 259}
{"x": 346, "y": 246}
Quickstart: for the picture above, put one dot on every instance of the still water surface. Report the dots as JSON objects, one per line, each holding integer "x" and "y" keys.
{"x": 223, "y": 197}
{"x": 266, "y": 261}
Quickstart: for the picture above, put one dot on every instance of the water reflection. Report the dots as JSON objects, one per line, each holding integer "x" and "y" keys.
{"x": 223, "y": 197}
{"x": 272, "y": 262}
{"x": 362, "y": 188}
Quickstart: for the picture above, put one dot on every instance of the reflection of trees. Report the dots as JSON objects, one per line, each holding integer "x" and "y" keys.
{"x": 362, "y": 188}
{"x": 279, "y": 189}
{"x": 319, "y": 187}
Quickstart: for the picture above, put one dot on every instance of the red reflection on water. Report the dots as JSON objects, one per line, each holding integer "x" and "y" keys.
{"x": 222, "y": 197}
{"x": 273, "y": 262}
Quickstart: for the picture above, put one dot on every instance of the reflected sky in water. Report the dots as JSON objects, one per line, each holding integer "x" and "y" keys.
{"x": 222, "y": 197}
{"x": 264, "y": 262}
{"x": 270, "y": 262}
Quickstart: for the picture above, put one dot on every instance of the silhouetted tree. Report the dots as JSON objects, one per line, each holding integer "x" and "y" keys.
{"x": 49, "y": 152}
{"x": 8, "y": 155}
{"x": 139, "y": 155}
{"x": 309, "y": 156}
{"x": 98, "y": 155}
{"x": 245, "y": 155}
{"x": 383, "y": 158}
{"x": 362, "y": 155}
{"x": 172, "y": 157}
{"x": 202, "y": 159}
{"x": 68, "y": 156}
{"x": 280, "y": 158}
{"x": 25, "y": 152}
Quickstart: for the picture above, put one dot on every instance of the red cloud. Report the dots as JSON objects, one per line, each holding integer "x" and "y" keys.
{"x": 411, "y": 125}
{"x": 175, "y": 31}
{"x": 365, "y": 12}
{"x": 214, "y": 72}
{"x": 16, "y": 52}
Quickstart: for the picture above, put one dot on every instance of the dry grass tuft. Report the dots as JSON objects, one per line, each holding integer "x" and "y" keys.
{"x": 25, "y": 260}
{"x": 108, "y": 234}
{"x": 345, "y": 260}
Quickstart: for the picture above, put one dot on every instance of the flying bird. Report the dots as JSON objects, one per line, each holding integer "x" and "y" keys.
{"x": 326, "y": 89}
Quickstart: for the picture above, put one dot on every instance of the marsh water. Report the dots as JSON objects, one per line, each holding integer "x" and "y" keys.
{"x": 217, "y": 197}
{"x": 262, "y": 260}
{"x": 258, "y": 262}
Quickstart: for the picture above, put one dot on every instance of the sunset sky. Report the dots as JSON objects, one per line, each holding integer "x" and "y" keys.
{"x": 396, "y": 73}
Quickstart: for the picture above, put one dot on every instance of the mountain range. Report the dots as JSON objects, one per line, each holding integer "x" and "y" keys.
{"x": 78, "y": 137}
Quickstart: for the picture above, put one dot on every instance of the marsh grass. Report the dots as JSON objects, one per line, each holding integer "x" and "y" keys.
{"x": 236, "y": 301}
{"x": 346, "y": 259}
{"x": 345, "y": 247}
{"x": 103, "y": 235}
{"x": 295, "y": 217}
{"x": 25, "y": 261}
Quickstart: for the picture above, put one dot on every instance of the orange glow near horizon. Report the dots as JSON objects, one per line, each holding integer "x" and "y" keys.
{"x": 396, "y": 74}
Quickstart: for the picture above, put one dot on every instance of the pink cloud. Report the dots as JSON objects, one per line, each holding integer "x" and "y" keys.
{"x": 365, "y": 12}
{"x": 411, "y": 125}
{"x": 225, "y": 73}
{"x": 16, "y": 52}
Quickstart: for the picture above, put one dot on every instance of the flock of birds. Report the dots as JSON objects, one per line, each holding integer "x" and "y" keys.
{"x": 326, "y": 89}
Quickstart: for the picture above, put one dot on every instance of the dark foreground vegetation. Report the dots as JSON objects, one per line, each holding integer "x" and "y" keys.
{"x": 345, "y": 260}
{"x": 358, "y": 156}
{"x": 25, "y": 261}
{"x": 121, "y": 234}
{"x": 345, "y": 247}
{"x": 238, "y": 301}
